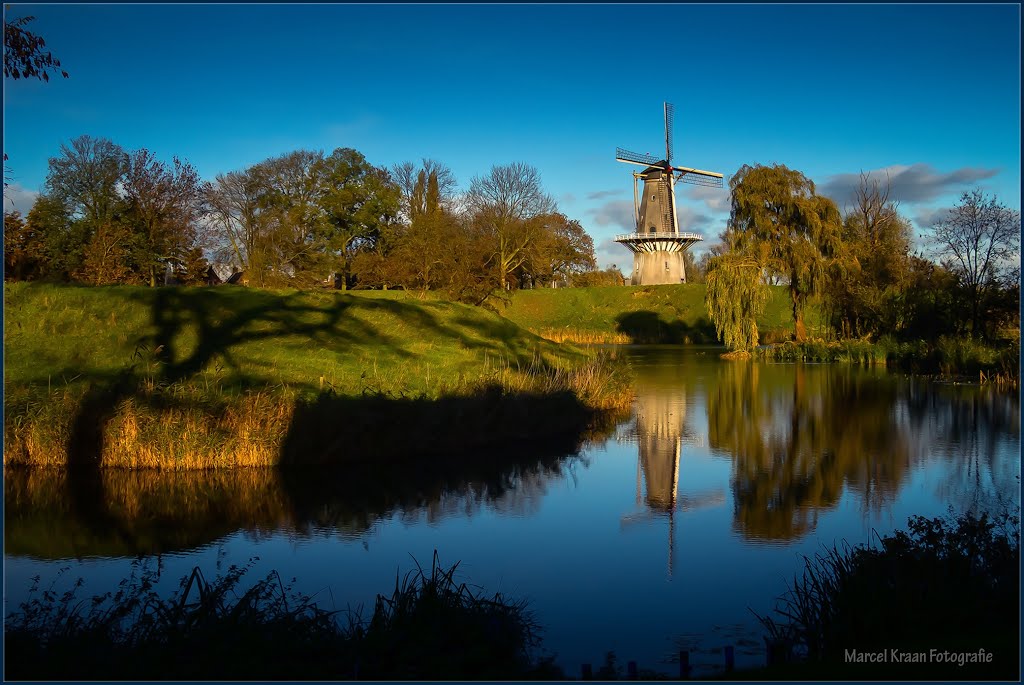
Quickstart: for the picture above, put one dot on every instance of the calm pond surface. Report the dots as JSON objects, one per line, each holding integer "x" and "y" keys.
{"x": 659, "y": 536}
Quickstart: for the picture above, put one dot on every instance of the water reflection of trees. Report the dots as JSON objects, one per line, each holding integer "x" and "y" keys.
{"x": 798, "y": 434}
{"x": 152, "y": 512}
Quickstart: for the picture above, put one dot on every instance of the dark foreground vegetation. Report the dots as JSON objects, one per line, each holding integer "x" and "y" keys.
{"x": 949, "y": 585}
{"x": 944, "y": 587}
{"x": 429, "y": 627}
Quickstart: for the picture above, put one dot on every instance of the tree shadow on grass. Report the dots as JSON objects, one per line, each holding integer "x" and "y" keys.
{"x": 196, "y": 329}
{"x": 648, "y": 328}
{"x": 193, "y": 330}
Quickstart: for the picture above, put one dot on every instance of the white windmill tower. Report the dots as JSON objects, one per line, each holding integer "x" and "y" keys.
{"x": 657, "y": 245}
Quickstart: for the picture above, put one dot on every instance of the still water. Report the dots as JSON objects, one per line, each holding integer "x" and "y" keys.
{"x": 659, "y": 535}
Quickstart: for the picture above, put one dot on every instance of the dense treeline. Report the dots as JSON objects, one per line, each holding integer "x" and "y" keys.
{"x": 860, "y": 267}
{"x": 304, "y": 218}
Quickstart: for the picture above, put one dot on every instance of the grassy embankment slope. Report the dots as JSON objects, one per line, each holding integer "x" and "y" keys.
{"x": 640, "y": 314}
{"x": 676, "y": 314}
{"x": 221, "y": 377}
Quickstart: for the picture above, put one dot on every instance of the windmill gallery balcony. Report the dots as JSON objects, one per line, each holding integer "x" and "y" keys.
{"x": 660, "y": 241}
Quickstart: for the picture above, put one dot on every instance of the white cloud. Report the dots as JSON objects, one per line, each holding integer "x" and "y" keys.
{"x": 602, "y": 194}
{"x": 716, "y": 199}
{"x": 617, "y": 213}
{"x": 692, "y": 220}
{"x": 18, "y": 198}
{"x": 926, "y": 217}
{"x": 609, "y": 252}
{"x": 908, "y": 184}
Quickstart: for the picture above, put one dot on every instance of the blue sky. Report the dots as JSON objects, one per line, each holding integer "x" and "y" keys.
{"x": 930, "y": 93}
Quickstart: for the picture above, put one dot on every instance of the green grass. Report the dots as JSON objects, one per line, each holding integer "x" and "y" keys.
{"x": 638, "y": 314}
{"x": 204, "y": 377}
{"x": 239, "y": 336}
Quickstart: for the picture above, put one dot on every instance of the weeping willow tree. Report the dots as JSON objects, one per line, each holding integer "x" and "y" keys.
{"x": 778, "y": 227}
{"x": 736, "y": 295}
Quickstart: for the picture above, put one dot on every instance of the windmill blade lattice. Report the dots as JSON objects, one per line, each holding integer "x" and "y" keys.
{"x": 625, "y": 155}
{"x": 669, "y": 115}
{"x": 700, "y": 180}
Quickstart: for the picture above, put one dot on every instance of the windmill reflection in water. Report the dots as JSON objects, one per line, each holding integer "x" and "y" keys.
{"x": 661, "y": 433}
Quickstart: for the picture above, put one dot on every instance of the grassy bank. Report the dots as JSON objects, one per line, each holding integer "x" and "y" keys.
{"x": 997, "y": 363}
{"x": 183, "y": 378}
{"x": 642, "y": 314}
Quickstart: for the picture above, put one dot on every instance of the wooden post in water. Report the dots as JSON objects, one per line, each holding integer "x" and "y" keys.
{"x": 730, "y": 657}
{"x": 684, "y": 665}
{"x": 586, "y": 672}
{"x": 631, "y": 671}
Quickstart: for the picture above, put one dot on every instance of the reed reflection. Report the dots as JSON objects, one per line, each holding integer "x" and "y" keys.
{"x": 153, "y": 512}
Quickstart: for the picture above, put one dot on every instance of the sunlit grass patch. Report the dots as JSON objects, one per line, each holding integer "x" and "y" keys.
{"x": 213, "y": 377}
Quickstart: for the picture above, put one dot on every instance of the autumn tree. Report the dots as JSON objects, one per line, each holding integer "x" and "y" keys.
{"x": 778, "y": 221}
{"x": 59, "y": 240}
{"x": 561, "y": 249}
{"x": 694, "y": 269}
{"x": 360, "y": 203}
{"x": 295, "y": 222}
{"x": 300, "y": 216}
{"x": 415, "y": 183}
{"x": 24, "y": 249}
{"x": 163, "y": 203}
{"x": 234, "y": 207}
{"x": 979, "y": 239}
{"x": 106, "y": 258}
{"x": 421, "y": 256}
{"x": 502, "y": 204}
{"x": 868, "y": 300}
{"x": 86, "y": 177}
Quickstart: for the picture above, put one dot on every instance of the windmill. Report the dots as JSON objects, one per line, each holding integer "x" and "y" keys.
{"x": 657, "y": 245}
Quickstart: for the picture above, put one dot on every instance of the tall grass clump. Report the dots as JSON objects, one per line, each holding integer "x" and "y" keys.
{"x": 861, "y": 352}
{"x": 946, "y": 583}
{"x": 946, "y": 357}
{"x": 430, "y": 627}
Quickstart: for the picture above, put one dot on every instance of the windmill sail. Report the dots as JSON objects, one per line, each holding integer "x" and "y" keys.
{"x": 623, "y": 155}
